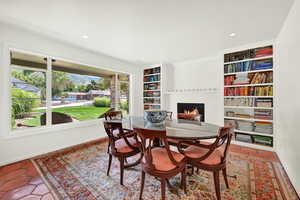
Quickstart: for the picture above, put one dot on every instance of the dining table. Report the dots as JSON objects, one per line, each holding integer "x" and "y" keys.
{"x": 175, "y": 128}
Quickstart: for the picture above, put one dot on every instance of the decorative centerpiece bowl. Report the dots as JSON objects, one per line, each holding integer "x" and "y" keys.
{"x": 155, "y": 116}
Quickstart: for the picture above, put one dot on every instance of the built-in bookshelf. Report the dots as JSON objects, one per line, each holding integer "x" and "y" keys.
{"x": 248, "y": 96}
{"x": 152, "y": 88}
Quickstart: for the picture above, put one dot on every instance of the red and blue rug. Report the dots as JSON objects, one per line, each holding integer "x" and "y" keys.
{"x": 80, "y": 174}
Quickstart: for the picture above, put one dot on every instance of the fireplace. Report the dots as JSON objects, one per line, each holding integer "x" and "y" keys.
{"x": 191, "y": 111}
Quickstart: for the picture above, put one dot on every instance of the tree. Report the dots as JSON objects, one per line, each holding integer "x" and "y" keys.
{"x": 104, "y": 84}
{"x": 37, "y": 79}
{"x": 60, "y": 82}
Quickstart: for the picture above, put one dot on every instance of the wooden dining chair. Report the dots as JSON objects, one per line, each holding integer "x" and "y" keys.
{"x": 210, "y": 156}
{"x": 160, "y": 162}
{"x": 115, "y": 115}
{"x": 122, "y": 146}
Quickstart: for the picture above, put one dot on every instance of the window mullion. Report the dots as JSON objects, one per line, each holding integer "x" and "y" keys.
{"x": 49, "y": 92}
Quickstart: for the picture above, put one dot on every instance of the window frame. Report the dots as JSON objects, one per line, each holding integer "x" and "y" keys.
{"x": 49, "y": 127}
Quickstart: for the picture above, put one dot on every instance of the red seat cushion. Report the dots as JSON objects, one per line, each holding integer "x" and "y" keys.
{"x": 196, "y": 152}
{"x": 161, "y": 160}
{"x": 122, "y": 147}
{"x": 116, "y": 132}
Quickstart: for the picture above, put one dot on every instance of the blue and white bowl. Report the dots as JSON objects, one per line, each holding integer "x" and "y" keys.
{"x": 155, "y": 116}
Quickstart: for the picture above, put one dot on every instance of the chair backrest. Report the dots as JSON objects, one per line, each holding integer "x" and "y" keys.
{"x": 110, "y": 127}
{"x": 113, "y": 115}
{"x": 147, "y": 138}
{"x": 169, "y": 115}
{"x": 224, "y": 138}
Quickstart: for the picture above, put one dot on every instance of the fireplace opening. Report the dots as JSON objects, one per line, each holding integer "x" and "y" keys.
{"x": 191, "y": 111}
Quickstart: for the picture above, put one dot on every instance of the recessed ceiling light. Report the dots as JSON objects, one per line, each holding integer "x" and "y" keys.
{"x": 232, "y": 34}
{"x": 85, "y": 37}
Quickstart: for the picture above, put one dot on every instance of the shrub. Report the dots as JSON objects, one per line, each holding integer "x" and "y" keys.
{"x": 101, "y": 102}
{"x": 124, "y": 104}
{"x": 23, "y": 102}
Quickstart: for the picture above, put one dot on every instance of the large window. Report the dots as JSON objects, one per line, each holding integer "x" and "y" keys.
{"x": 55, "y": 92}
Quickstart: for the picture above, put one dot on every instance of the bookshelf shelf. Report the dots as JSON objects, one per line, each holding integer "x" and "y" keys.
{"x": 151, "y": 82}
{"x": 253, "y": 133}
{"x": 254, "y": 65}
{"x": 249, "y": 85}
{"x": 248, "y": 107}
{"x": 152, "y": 88}
{"x": 248, "y": 96}
{"x": 152, "y": 74}
{"x": 250, "y": 59}
{"x": 251, "y": 71}
{"x": 248, "y": 119}
{"x": 251, "y": 145}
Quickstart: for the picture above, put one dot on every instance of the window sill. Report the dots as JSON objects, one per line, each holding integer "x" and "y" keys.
{"x": 50, "y": 129}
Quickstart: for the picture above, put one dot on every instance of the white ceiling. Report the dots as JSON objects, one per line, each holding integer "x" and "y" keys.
{"x": 151, "y": 31}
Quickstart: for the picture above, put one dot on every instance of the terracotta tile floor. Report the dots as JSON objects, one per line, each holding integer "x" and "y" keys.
{"x": 21, "y": 181}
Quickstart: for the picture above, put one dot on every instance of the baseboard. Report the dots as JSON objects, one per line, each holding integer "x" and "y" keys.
{"x": 41, "y": 153}
{"x": 284, "y": 165}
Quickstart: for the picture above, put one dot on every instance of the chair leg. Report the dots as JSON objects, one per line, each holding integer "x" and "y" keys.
{"x": 225, "y": 177}
{"x": 183, "y": 180}
{"x": 121, "y": 169}
{"x": 108, "y": 147}
{"x": 197, "y": 170}
{"x": 142, "y": 184}
{"x": 217, "y": 184}
{"x": 163, "y": 188}
{"x": 109, "y": 164}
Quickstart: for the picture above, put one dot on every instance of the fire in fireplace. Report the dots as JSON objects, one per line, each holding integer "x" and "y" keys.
{"x": 191, "y": 111}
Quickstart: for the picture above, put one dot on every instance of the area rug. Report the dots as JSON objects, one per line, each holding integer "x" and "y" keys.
{"x": 80, "y": 174}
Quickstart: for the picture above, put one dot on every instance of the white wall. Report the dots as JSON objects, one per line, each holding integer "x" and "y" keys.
{"x": 287, "y": 95}
{"x": 206, "y": 73}
{"x": 14, "y": 148}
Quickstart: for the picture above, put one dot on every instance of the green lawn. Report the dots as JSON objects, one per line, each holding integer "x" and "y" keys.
{"x": 77, "y": 112}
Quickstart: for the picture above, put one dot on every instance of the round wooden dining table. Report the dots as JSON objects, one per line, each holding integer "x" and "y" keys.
{"x": 176, "y": 128}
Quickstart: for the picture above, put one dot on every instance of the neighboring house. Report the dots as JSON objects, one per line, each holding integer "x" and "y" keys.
{"x": 98, "y": 93}
{"x": 22, "y": 85}
{"x": 74, "y": 96}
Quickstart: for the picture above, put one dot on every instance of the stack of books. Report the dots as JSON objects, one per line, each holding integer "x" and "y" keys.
{"x": 263, "y": 114}
{"x": 152, "y": 94}
{"x": 248, "y": 102}
{"x": 263, "y": 140}
{"x": 240, "y": 55}
{"x": 264, "y": 102}
{"x": 264, "y": 127}
{"x": 264, "y": 51}
{"x": 228, "y": 80}
{"x": 238, "y": 67}
{"x": 262, "y": 77}
{"x": 249, "y": 91}
{"x": 244, "y": 125}
{"x": 151, "y": 78}
{"x": 249, "y": 66}
{"x": 241, "y": 79}
{"x": 152, "y": 86}
{"x": 243, "y": 138}
{"x": 152, "y": 71}
{"x": 262, "y": 64}
{"x": 152, "y": 101}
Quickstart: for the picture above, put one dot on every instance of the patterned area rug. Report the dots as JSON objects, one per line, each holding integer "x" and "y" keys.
{"x": 81, "y": 174}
